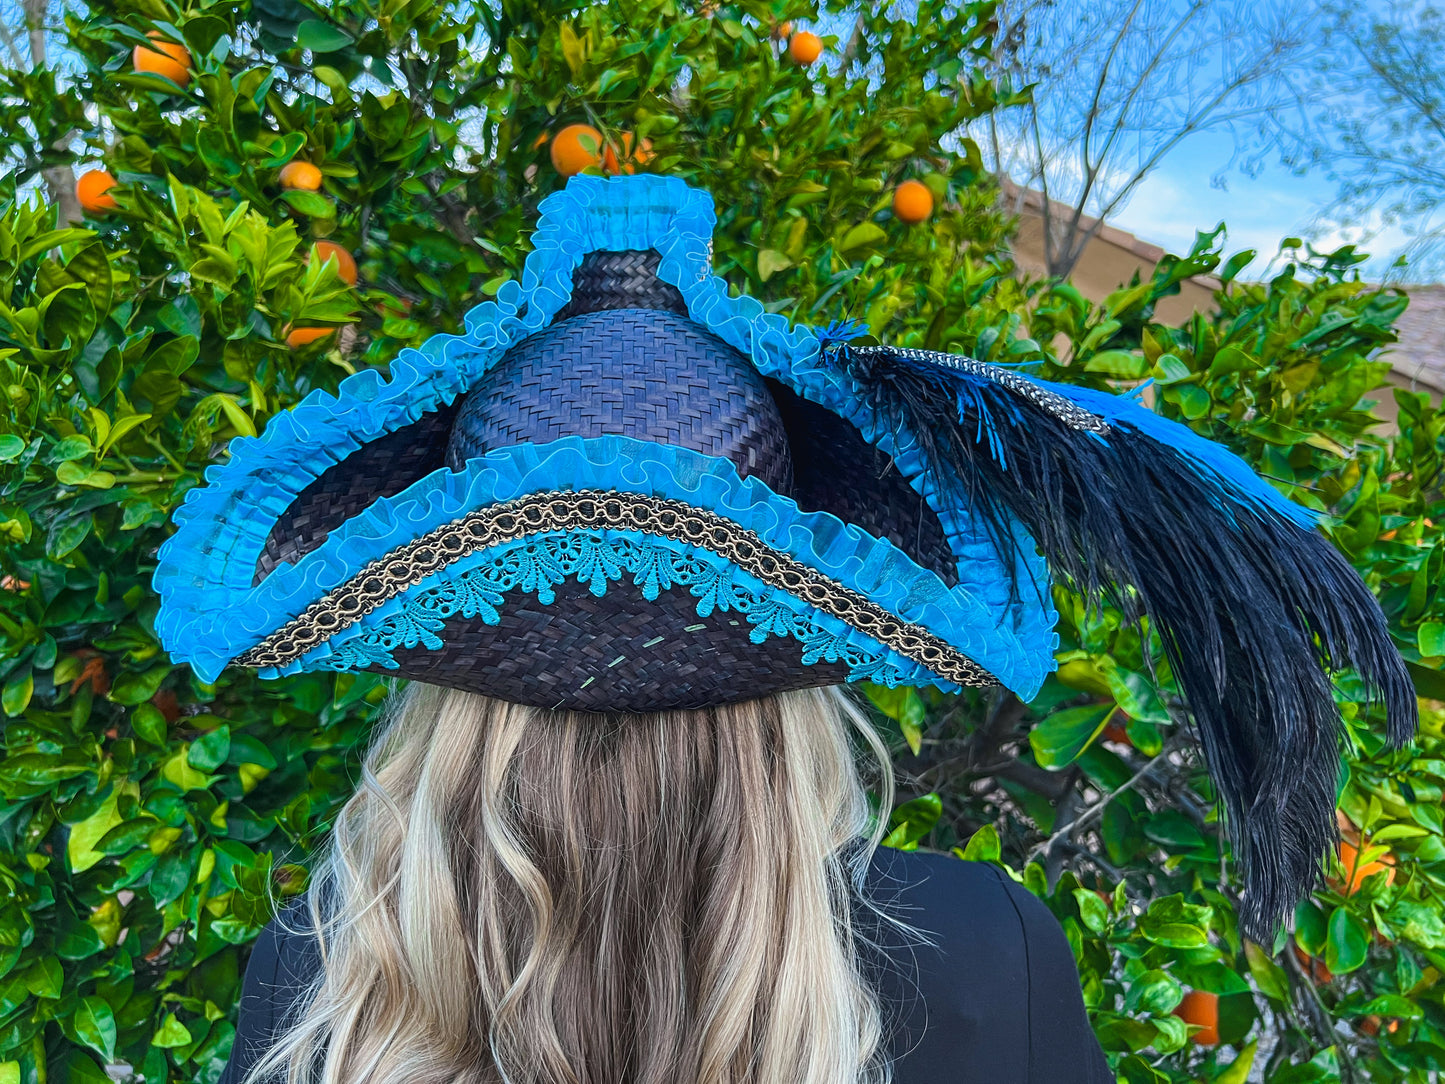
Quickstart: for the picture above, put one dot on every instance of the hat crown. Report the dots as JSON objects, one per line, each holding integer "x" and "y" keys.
{"x": 626, "y": 279}
{"x": 632, "y": 372}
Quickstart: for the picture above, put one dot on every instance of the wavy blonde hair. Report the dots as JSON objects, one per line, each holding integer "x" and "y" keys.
{"x": 521, "y": 896}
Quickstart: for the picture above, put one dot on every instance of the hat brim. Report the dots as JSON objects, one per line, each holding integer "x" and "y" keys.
{"x": 215, "y": 612}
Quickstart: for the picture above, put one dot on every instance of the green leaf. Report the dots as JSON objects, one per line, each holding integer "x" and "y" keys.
{"x": 66, "y": 534}
{"x": 16, "y": 696}
{"x": 912, "y": 821}
{"x": 904, "y": 706}
{"x": 770, "y": 262}
{"x": 131, "y": 688}
{"x": 1393, "y": 1005}
{"x": 1062, "y": 736}
{"x": 170, "y": 877}
{"x": 1169, "y": 369}
{"x": 1348, "y": 942}
{"x": 80, "y": 848}
{"x": 74, "y": 447}
{"x": 1194, "y": 401}
{"x": 209, "y": 752}
{"x": 171, "y": 1033}
{"x": 1268, "y": 975}
{"x": 177, "y": 771}
{"x": 45, "y": 977}
{"x": 73, "y": 474}
{"x": 1092, "y": 910}
{"x": 1125, "y": 364}
{"x": 572, "y": 49}
{"x": 10, "y": 447}
{"x": 80, "y": 1068}
{"x": 42, "y": 769}
{"x": 95, "y": 1026}
{"x": 1175, "y": 924}
{"x": 1238, "y": 1071}
{"x": 1431, "y": 639}
{"x": 1154, "y": 991}
{"x": 312, "y": 204}
{"x": 1137, "y": 697}
{"x": 865, "y": 233}
{"x": 1233, "y": 359}
{"x": 149, "y": 724}
{"x": 321, "y": 37}
{"x": 983, "y": 846}
{"x": 1173, "y": 1034}
{"x": 239, "y": 419}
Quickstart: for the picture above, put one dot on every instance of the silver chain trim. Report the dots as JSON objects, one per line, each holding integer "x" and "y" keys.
{"x": 540, "y": 513}
{"x": 1067, "y": 411}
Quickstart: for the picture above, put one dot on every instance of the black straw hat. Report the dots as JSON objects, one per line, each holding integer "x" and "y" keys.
{"x": 623, "y": 489}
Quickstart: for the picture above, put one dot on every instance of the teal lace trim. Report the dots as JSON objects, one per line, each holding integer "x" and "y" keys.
{"x": 538, "y": 564}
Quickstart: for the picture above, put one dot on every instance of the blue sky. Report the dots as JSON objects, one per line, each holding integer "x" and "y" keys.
{"x": 1177, "y": 199}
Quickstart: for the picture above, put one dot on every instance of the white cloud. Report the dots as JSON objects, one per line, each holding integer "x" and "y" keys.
{"x": 1177, "y": 200}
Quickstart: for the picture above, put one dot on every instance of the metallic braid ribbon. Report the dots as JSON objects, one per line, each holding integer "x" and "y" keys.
{"x": 1065, "y": 410}
{"x": 541, "y": 513}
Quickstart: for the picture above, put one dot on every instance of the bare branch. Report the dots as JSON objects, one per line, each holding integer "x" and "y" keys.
{"x": 1121, "y": 84}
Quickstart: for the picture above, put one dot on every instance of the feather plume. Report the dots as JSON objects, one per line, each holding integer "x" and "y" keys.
{"x": 1253, "y": 607}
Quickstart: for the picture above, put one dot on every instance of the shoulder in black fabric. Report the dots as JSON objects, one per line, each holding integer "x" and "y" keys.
{"x": 1253, "y": 607}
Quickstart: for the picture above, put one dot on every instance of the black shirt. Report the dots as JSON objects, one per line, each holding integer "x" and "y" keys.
{"x": 995, "y": 998}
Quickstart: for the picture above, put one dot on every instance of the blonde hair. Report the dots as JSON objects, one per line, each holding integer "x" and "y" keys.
{"x": 522, "y": 896}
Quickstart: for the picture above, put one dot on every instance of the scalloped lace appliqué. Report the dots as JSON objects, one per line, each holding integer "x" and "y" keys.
{"x": 538, "y": 564}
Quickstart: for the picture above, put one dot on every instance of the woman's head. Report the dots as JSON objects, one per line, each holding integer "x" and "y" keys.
{"x": 564, "y": 898}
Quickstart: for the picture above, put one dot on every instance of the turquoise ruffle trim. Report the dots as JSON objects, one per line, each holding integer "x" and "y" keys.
{"x": 872, "y": 567}
{"x": 206, "y": 569}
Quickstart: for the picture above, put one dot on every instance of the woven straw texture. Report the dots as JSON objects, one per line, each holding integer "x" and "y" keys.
{"x": 624, "y": 359}
{"x": 614, "y": 653}
{"x": 381, "y": 468}
{"x": 621, "y": 280}
{"x": 629, "y": 372}
{"x": 835, "y": 470}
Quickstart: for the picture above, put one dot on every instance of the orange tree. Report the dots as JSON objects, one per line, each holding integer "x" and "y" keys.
{"x": 147, "y": 820}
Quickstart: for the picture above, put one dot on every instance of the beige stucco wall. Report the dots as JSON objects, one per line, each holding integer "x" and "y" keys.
{"x": 1108, "y": 262}
{"x": 1112, "y": 258}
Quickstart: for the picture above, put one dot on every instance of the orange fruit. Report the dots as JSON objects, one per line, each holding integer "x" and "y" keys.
{"x": 167, "y": 58}
{"x": 305, "y": 336}
{"x": 345, "y": 264}
{"x": 782, "y": 30}
{"x": 93, "y": 191}
{"x": 575, "y": 148}
{"x": 1201, "y": 1009}
{"x": 1370, "y": 1025}
{"x": 912, "y": 202}
{"x": 1357, "y": 871}
{"x": 630, "y": 161}
{"x": 805, "y": 47}
{"x": 300, "y": 175}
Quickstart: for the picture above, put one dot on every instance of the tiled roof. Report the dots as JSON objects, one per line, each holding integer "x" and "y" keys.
{"x": 1419, "y": 357}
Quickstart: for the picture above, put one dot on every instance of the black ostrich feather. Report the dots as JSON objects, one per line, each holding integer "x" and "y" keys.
{"x": 1254, "y": 608}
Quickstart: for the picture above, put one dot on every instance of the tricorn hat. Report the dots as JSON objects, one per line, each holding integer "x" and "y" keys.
{"x": 625, "y": 489}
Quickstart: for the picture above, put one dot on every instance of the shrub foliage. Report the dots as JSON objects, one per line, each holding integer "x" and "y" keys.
{"x": 147, "y": 820}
